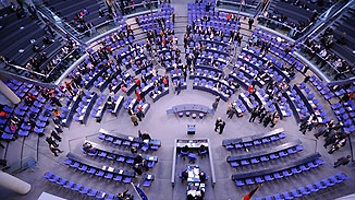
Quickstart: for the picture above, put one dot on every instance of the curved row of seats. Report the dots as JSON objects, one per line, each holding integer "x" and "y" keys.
{"x": 272, "y": 153}
{"x": 76, "y": 187}
{"x": 254, "y": 140}
{"x": 121, "y": 157}
{"x": 309, "y": 189}
{"x": 128, "y": 141}
{"x": 100, "y": 171}
{"x": 149, "y": 22}
{"x": 284, "y": 170}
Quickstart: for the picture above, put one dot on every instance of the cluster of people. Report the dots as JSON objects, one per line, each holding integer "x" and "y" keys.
{"x": 264, "y": 116}
{"x": 136, "y": 115}
{"x": 52, "y": 140}
{"x": 122, "y": 34}
{"x": 79, "y": 21}
{"x": 322, "y": 48}
{"x": 140, "y": 164}
{"x": 57, "y": 61}
{"x": 333, "y": 134}
{"x": 308, "y": 123}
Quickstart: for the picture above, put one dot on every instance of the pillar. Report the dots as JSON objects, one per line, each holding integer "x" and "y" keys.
{"x": 9, "y": 93}
{"x": 15, "y": 184}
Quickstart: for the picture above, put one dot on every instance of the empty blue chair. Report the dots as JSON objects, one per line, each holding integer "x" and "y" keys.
{"x": 48, "y": 175}
{"x": 296, "y": 193}
{"x": 92, "y": 193}
{"x": 127, "y": 180}
{"x": 239, "y": 183}
{"x": 118, "y": 178}
{"x": 277, "y": 175}
{"x": 259, "y": 180}
{"x": 99, "y": 173}
{"x": 77, "y": 187}
{"x": 287, "y": 195}
{"x": 54, "y": 179}
{"x": 304, "y": 191}
{"x": 110, "y": 196}
{"x": 62, "y": 181}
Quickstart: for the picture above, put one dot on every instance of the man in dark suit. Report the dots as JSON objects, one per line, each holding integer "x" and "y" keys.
{"x": 221, "y": 124}
{"x": 216, "y": 125}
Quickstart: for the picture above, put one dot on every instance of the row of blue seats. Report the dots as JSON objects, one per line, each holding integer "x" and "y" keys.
{"x": 256, "y": 140}
{"x": 76, "y": 187}
{"x": 304, "y": 191}
{"x": 128, "y": 141}
{"x": 273, "y": 153}
{"x": 283, "y": 171}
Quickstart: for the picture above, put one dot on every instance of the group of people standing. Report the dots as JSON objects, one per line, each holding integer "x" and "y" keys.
{"x": 264, "y": 116}
{"x": 333, "y": 135}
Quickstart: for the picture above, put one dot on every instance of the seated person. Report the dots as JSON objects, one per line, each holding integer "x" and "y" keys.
{"x": 110, "y": 103}
{"x": 87, "y": 146}
{"x": 134, "y": 150}
{"x": 124, "y": 195}
{"x": 138, "y": 159}
{"x": 202, "y": 176}
{"x": 202, "y": 149}
{"x": 185, "y": 150}
{"x": 184, "y": 175}
{"x": 146, "y": 136}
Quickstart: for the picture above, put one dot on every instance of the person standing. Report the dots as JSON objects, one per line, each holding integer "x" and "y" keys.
{"x": 216, "y": 127}
{"x": 55, "y": 149}
{"x": 134, "y": 119}
{"x": 267, "y": 120}
{"x": 262, "y": 115}
{"x": 254, "y": 114}
{"x": 231, "y": 112}
{"x": 250, "y": 22}
{"x": 275, "y": 120}
{"x": 222, "y": 124}
{"x": 55, "y": 135}
{"x": 50, "y": 141}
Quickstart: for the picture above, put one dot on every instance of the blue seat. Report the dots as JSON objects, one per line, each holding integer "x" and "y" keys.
{"x": 62, "y": 181}
{"x": 118, "y": 178}
{"x": 91, "y": 171}
{"x": 147, "y": 183}
{"x": 268, "y": 177}
{"x": 108, "y": 176}
{"x": 304, "y": 191}
{"x": 77, "y": 187}
{"x": 54, "y": 179}
{"x": 258, "y": 179}
{"x": 110, "y": 196}
{"x": 192, "y": 157}
{"x": 69, "y": 184}
{"x": 68, "y": 162}
{"x": 295, "y": 193}
{"x": 249, "y": 181}
{"x": 100, "y": 195}
{"x": 239, "y": 183}
{"x": 48, "y": 175}
{"x": 127, "y": 180}
{"x": 92, "y": 193}
{"x": 99, "y": 173}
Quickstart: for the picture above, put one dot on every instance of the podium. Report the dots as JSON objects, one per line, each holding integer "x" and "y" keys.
{"x": 191, "y": 129}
